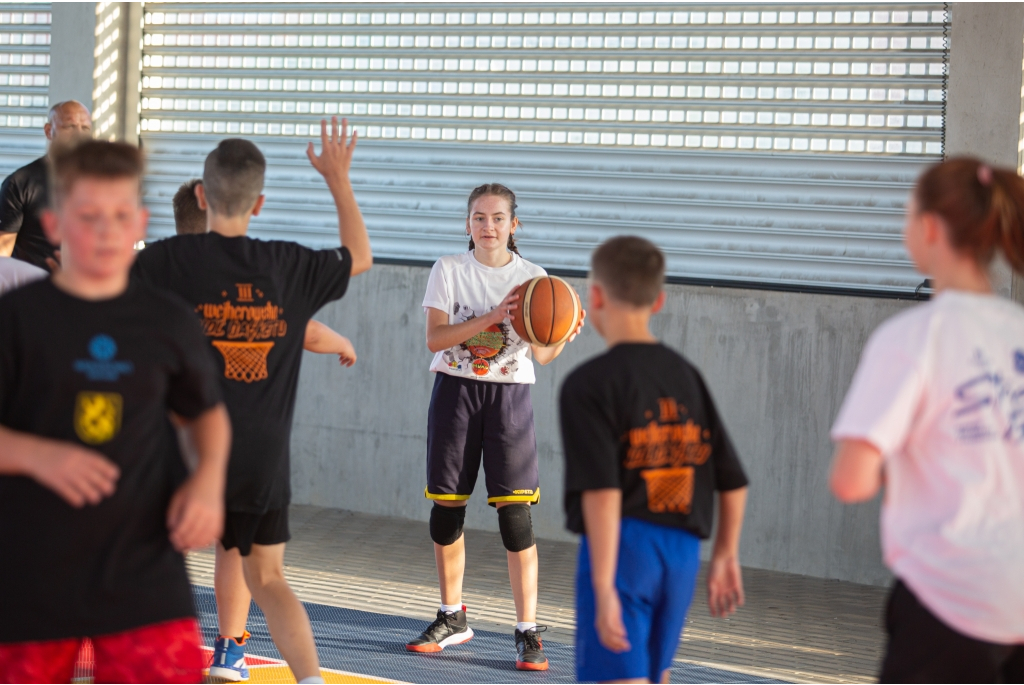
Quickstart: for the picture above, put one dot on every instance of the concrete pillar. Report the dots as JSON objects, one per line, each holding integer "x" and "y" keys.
{"x": 71, "y": 51}
{"x": 116, "y": 76}
{"x": 983, "y": 97}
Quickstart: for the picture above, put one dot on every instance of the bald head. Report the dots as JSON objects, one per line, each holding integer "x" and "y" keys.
{"x": 67, "y": 122}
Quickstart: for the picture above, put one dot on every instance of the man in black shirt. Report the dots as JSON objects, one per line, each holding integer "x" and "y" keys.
{"x": 24, "y": 194}
{"x": 255, "y": 299}
{"x": 96, "y": 505}
{"x": 645, "y": 452}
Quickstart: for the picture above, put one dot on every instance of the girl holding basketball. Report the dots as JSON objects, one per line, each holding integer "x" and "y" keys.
{"x": 936, "y": 414}
{"x": 480, "y": 406}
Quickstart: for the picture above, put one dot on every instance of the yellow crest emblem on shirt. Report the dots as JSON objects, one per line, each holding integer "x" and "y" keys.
{"x": 98, "y": 416}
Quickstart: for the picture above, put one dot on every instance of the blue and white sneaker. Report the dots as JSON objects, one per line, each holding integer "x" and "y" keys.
{"x": 229, "y": 659}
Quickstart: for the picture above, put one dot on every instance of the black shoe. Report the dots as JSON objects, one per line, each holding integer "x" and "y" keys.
{"x": 447, "y": 629}
{"x": 530, "y": 650}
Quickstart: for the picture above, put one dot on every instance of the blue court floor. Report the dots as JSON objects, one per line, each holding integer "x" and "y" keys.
{"x": 374, "y": 645}
{"x": 370, "y": 584}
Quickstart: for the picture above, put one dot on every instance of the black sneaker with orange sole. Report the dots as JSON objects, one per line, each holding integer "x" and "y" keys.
{"x": 530, "y": 650}
{"x": 446, "y": 630}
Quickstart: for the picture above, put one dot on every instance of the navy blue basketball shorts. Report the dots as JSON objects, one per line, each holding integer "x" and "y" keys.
{"x": 469, "y": 419}
{"x": 655, "y": 578}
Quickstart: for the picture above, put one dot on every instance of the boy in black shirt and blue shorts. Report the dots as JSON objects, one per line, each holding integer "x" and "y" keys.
{"x": 645, "y": 452}
{"x": 255, "y": 299}
{"x": 96, "y": 505}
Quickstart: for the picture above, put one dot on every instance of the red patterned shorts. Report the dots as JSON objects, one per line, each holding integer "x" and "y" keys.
{"x": 159, "y": 653}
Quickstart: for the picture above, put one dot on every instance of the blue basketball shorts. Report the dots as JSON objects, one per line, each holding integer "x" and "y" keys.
{"x": 655, "y": 578}
{"x": 470, "y": 419}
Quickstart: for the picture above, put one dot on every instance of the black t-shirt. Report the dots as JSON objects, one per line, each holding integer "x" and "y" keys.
{"x": 254, "y": 299}
{"x": 639, "y": 418}
{"x": 104, "y": 375}
{"x": 23, "y": 195}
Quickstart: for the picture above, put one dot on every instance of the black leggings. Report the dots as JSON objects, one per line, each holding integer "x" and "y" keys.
{"x": 923, "y": 649}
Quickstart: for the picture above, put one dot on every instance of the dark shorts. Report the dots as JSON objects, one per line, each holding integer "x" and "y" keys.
{"x": 923, "y": 649}
{"x": 469, "y": 418}
{"x": 243, "y": 530}
{"x": 655, "y": 578}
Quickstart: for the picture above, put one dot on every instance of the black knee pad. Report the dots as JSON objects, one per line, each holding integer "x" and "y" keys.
{"x": 446, "y": 524}
{"x": 516, "y": 527}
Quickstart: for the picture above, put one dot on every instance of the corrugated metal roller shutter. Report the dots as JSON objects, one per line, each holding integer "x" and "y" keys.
{"x": 24, "y": 82}
{"x": 757, "y": 144}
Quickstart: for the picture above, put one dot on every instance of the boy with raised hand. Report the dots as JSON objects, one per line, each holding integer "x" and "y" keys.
{"x": 96, "y": 506}
{"x": 645, "y": 451}
{"x": 190, "y": 219}
{"x": 255, "y": 299}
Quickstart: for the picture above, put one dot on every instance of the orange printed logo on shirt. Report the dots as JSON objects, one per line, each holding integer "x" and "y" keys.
{"x": 668, "y": 449}
{"x": 244, "y": 331}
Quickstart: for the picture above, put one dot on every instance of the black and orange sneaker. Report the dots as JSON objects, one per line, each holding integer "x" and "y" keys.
{"x": 447, "y": 629}
{"x": 530, "y": 650}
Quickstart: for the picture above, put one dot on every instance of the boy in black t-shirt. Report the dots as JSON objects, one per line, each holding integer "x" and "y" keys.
{"x": 255, "y": 299}
{"x": 645, "y": 452}
{"x": 96, "y": 506}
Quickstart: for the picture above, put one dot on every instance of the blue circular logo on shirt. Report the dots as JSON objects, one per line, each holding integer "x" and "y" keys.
{"x": 102, "y": 347}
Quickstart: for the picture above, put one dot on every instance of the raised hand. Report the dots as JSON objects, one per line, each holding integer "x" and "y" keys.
{"x": 336, "y": 150}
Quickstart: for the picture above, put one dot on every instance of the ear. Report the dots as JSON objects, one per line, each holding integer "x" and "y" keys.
{"x": 201, "y": 197}
{"x": 48, "y": 219}
{"x": 658, "y": 303}
{"x": 515, "y": 225}
{"x": 595, "y": 296}
{"x": 48, "y": 130}
{"x": 932, "y": 229}
{"x": 143, "y": 223}
{"x": 259, "y": 205}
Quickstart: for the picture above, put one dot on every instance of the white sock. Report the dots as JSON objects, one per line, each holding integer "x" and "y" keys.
{"x": 523, "y": 626}
{"x": 312, "y": 680}
{"x": 451, "y": 608}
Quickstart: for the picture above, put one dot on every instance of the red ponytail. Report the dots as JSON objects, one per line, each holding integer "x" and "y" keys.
{"x": 982, "y": 207}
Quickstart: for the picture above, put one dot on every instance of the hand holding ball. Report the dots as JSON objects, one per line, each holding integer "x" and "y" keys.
{"x": 549, "y": 311}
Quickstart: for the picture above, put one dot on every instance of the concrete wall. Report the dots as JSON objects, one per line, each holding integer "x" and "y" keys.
{"x": 778, "y": 365}
{"x": 72, "y": 42}
{"x": 983, "y": 98}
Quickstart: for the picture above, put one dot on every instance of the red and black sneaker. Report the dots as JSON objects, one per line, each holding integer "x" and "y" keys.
{"x": 446, "y": 630}
{"x": 530, "y": 650}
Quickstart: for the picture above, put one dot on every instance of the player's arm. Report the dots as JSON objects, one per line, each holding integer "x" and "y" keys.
{"x": 602, "y": 521}
{"x": 546, "y": 355}
{"x": 195, "y": 517}
{"x": 441, "y": 335}
{"x": 725, "y": 581}
{"x": 333, "y": 163}
{"x": 323, "y": 339}
{"x": 80, "y": 476}
{"x": 857, "y": 473}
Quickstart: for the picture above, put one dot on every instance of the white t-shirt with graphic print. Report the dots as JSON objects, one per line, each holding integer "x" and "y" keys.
{"x": 465, "y": 289}
{"x": 940, "y": 392}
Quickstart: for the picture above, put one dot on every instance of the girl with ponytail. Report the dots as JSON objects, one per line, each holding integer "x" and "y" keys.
{"x": 480, "y": 411}
{"x": 935, "y": 413}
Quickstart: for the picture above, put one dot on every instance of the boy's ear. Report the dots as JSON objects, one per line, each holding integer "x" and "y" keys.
{"x": 259, "y": 205}
{"x": 48, "y": 219}
{"x": 932, "y": 228}
{"x": 201, "y": 197}
{"x": 595, "y": 296}
{"x": 143, "y": 223}
{"x": 659, "y": 302}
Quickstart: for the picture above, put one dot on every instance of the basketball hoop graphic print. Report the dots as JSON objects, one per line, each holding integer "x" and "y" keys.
{"x": 244, "y": 361}
{"x": 244, "y": 331}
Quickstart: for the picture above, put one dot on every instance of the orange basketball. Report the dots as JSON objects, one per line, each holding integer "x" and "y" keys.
{"x": 549, "y": 311}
